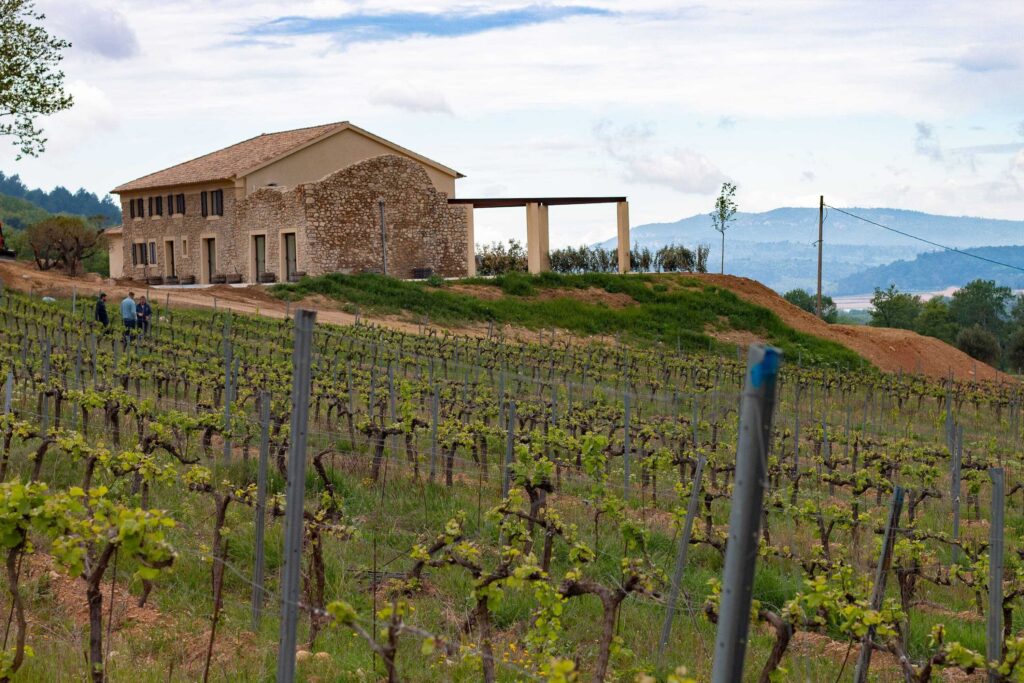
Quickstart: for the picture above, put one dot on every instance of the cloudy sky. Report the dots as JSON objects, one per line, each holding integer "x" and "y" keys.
{"x": 916, "y": 105}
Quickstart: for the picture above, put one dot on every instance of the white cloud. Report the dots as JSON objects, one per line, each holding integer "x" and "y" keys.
{"x": 643, "y": 160}
{"x": 926, "y": 143}
{"x": 411, "y": 99}
{"x": 93, "y": 28}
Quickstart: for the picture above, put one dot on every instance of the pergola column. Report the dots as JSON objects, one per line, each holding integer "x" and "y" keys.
{"x": 537, "y": 258}
{"x": 470, "y": 243}
{"x": 622, "y": 214}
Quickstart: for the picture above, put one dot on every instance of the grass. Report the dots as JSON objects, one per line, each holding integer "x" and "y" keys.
{"x": 671, "y": 310}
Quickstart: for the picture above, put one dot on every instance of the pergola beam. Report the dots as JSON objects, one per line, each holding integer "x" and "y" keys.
{"x": 537, "y": 234}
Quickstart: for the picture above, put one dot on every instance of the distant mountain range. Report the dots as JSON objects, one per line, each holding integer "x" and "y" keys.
{"x": 938, "y": 270}
{"x": 778, "y": 247}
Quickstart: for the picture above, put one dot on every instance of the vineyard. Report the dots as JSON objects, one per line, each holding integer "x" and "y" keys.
{"x": 488, "y": 509}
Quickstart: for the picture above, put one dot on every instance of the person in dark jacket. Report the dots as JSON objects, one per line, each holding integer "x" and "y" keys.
{"x": 144, "y": 312}
{"x": 101, "y": 310}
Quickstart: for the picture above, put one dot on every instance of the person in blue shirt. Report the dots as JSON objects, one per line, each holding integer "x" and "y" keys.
{"x": 129, "y": 315}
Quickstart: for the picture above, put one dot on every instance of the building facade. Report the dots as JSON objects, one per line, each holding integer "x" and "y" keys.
{"x": 331, "y": 198}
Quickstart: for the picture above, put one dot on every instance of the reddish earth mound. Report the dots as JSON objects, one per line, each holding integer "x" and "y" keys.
{"x": 889, "y": 349}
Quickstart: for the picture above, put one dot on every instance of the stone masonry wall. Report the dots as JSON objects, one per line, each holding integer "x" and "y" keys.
{"x": 343, "y": 221}
{"x": 336, "y": 221}
{"x": 190, "y": 227}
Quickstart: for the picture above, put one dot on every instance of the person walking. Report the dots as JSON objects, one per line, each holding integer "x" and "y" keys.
{"x": 129, "y": 315}
{"x": 144, "y": 312}
{"x": 101, "y": 310}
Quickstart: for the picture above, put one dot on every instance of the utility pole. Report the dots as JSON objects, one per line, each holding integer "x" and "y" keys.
{"x": 821, "y": 221}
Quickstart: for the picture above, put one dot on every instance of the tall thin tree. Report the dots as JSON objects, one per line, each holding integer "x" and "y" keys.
{"x": 724, "y": 213}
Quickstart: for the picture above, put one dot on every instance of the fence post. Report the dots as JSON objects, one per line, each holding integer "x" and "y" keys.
{"x": 8, "y": 391}
{"x": 46, "y": 382}
{"x": 758, "y": 404}
{"x": 294, "y": 495}
{"x": 994, "y": 633}
{"x": 228, "y": 387}
{"x": 261, "y": 509}
{"x": 681, "y": 552}
{"x": 881, "y": 573}
{"x": 954, "y": 493}
{"x": 434, "y": 401}
{"x": 510, "y": 444}
{"x": 625, "y": 446}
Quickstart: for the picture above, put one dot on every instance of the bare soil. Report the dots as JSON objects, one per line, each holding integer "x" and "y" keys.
{"x": 889, "y": 349}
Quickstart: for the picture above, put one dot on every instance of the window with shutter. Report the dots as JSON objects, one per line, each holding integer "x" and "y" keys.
{"x": 135, "y": 252}
{"x": 160, "y": 206}
{"x": 218, "y": 202}
{"x": 131, "y": 208}
{"x": 204, "y": 204}
{"x": 139, "y": 208}
{"x": 150, "y": 205}
{"x": 152, "y": 252}
{"x": 181, "y": 204}
{"x": 170, "y": 205}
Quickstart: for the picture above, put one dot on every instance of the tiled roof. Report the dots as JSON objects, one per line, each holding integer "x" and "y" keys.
{"x": 225, "y": 164}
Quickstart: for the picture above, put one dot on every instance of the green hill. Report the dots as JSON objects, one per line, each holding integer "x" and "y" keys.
{"x": 19, "y": 213}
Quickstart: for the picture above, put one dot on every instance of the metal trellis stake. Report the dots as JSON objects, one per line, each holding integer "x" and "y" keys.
{"x": 881, "y": 573}
{"x": 994, "y": 632}
{"x": 954, "y": 485}
{"x": 510, "y": 444}
{"x": 8, "y": 391}
{"x": 681, "y": 552}
{"x": 295, "y": 493}
{"x": 261, "y": 510}
{"x": 625, "y": 446}
{"x": 228, "y": 387}
{"x": 758, "y": 404}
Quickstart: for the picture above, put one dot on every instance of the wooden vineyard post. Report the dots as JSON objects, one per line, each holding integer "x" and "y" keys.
{"x": 46, "y": 382}
{"x": 294, "y": 496}
{"x": 434, "y": 401}
{"x": 8, "y": 391}
{"x": 261, "y": 510}
{"x": 994, "y": 632}
{"x": 756, "y": 408}
{"x": 510, "y": 444}
{"x": 878, "y": 593}
{"x": 228, "y": 388}
{"x": 954, "y": 493}
{"x": 625, "y": 446}
{"x": 681, "y": 552}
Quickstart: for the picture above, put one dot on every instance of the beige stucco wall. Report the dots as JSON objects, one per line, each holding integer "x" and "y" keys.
{"x": 329, "y": 155}
{"x": 115, "y": 250}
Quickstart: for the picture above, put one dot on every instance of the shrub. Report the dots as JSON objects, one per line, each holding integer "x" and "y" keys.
{"x": 497, "y": 259}
{"x": 979, "y": 343}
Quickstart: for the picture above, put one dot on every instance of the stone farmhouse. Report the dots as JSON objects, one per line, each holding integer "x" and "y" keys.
{"x": 330, "y": 198}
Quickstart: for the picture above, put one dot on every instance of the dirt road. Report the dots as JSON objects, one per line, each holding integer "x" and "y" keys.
{"x": 889, "y": 349}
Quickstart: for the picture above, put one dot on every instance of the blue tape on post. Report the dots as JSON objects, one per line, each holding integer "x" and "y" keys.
{"x": 768, "y": 367}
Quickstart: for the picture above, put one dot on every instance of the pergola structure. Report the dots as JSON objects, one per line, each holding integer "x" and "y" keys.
{"x": 537, "y": 242}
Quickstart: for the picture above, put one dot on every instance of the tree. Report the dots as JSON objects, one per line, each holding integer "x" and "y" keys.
{"x": 1015, "y": 351}
{"x": 934, "y": 320}
{"x": 983, "y": 303}
{"x": 31, "y": 85}
{"x": 801, "y": 298}
{"x": 893, "y": 308}
{"x": 724, "y": 213}
{"x": 63, "y": 240}
{"x": 977, "y": 342}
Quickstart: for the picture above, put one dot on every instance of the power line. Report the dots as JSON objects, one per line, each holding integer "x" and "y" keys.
{"x": 921, "y": 239}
